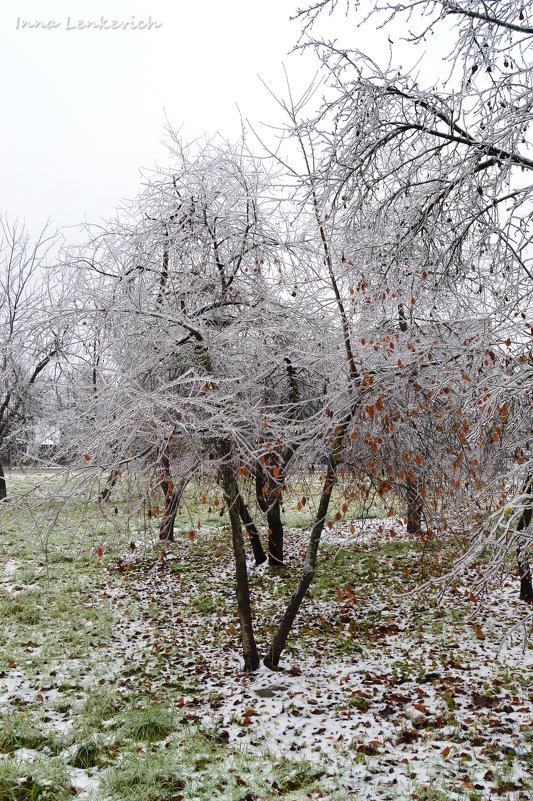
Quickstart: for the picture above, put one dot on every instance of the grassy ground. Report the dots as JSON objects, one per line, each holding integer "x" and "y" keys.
{"x": 120, "y": 670}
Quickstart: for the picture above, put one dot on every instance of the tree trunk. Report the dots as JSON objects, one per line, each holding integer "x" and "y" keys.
{"x": 3, "y": 486}
{"x": 277, "y": 645}
{"x": 271, "y": 659}
{"x": 110, "y": 483}
{"x": 270, "y": 504}
{"x": 166, "y": 526}
{"x": 253, "y": 534}
{"x": 526, "y": 586}
{"x": 275, "y": 534}
{"x": 172, "y": 499}
{"x": 414, "y": 501}
{"x": 231, "y": 495}
{"x": 414, "y": 508}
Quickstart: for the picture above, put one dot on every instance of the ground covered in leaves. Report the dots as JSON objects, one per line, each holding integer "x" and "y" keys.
{"x": 120, "y": 674}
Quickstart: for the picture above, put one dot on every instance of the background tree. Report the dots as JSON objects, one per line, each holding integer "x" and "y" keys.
{"x": 29, "y": 341}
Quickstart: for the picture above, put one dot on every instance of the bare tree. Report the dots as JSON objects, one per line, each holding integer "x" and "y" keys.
{"x": 28, "y": 340}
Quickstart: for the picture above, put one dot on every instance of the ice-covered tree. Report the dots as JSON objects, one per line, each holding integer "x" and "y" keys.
{"x": 30, "y": 338}
{"x": 437, "y": 174}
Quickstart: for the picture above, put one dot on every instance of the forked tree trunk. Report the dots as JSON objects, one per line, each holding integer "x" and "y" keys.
{"x": 526, "y": 586}
{"x": 3, "y": 486}
{"x": 253, "y": 534}
{"x": 271, "y": 659}
{"x": 166, "y": 526}
{"x": 231, "y": 495}
{"x": 172, "y": 499}
{"x": 279, "y": 640}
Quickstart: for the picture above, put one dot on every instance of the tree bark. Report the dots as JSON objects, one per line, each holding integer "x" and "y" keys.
{"x": 231, "y": 495}
{"x": 110, "y": 483}
{"x": 172, "y": 497}
{"x": 166, "y": 526}
{"x": 414, "y": 501}
{"x": 253, "y": 534}
{"x": 271, "y": 659}
{"x": 275, "y": 534}
{"x": 3, "y": 486}
{"x": 414, "y": 508}
{"x": 526, "y": 585}
{"x": 270, "y": 504}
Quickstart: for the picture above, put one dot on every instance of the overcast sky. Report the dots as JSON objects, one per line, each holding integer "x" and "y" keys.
{"x": 84, "y": 106}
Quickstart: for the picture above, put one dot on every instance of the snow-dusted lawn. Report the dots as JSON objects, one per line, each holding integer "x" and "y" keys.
{"x": 120, "y": 677}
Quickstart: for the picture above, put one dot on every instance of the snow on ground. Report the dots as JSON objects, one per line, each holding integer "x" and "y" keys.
{"x": 385, "y": 691}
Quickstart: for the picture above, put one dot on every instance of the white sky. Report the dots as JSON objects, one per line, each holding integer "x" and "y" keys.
{"x": 83, "y": 111}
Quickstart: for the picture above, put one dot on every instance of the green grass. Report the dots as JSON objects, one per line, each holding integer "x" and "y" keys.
{"x": 43, "y": 780}
{"x": 16, "y": 731}
{"x": 193, "y": 766}
{"x": 25, "y": 608}
{"x": 150, "y": 725}
{"x": 87, "y": 755}
{"x": 109, "y": 658}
